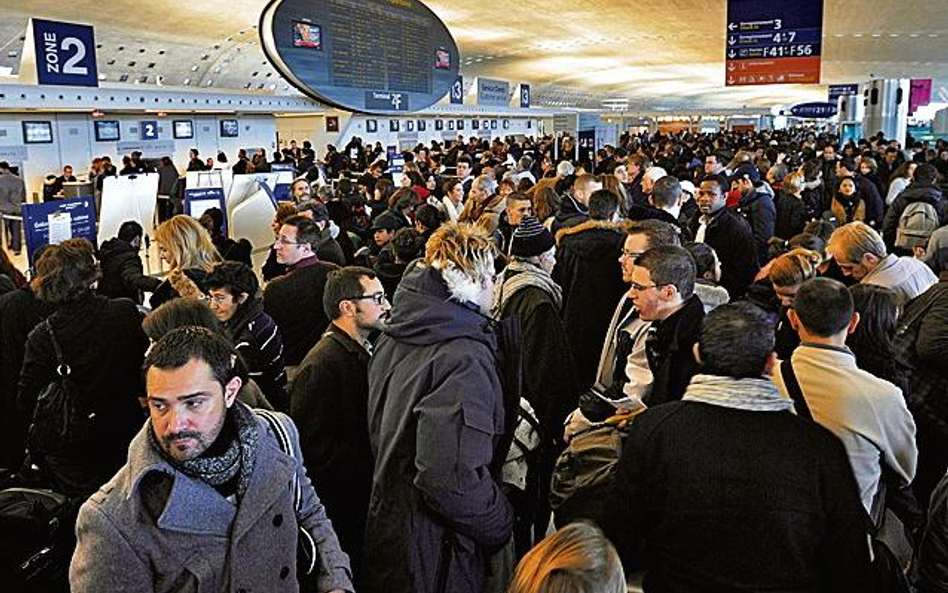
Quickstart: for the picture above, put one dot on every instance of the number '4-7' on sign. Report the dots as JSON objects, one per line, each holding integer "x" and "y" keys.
{"x": 60, "y": 54}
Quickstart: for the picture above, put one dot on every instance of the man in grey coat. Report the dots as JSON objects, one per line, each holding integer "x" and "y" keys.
{"x": 12, "y": 197}
{"x": 210, "y": 498}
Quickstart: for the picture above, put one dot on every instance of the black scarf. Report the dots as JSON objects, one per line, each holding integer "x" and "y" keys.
{"x": 235, "y": 461}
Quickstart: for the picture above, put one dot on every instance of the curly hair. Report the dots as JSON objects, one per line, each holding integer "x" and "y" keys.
{"x": 462, "y": 246}
{"x": 66, "y": 272}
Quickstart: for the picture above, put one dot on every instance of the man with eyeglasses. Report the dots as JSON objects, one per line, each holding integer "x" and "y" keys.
{"x": 329, "y": 402}
{"x": 294, "y": 300}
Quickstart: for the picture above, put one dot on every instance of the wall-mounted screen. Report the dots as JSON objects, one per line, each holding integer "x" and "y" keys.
{"x": 183, "y": 129}
{"x": 107, "y": 131}
{"x": 307, "y": 35}
{"x": 384, "y": 57}
{"x": 37, "y": 132}
{"x": 371, "y": 126}
{"x": 229, "y": 128}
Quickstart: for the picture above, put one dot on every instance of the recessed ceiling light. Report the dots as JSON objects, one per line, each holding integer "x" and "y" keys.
{"x": 893, "y": 34}
{"x": 877, "y": 34}
{"x": 857, "y": 34}
{"x": 186, "y": 81}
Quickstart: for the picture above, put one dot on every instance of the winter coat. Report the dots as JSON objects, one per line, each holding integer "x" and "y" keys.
{"x": 712, "y": 498}
{"x": 846, "y": 209}
{"x": 791, "y": 216}
{"x": 915, "y": 192}
{"x": 732, "y": 239}
{"x": 12, "y": 193}
{"x": 328, "y": 402}
{"x": 930, "y": 569}
{"x": 122, "y": 272}
{"x": 671, "y": 352}
{"x": 260, "y": 343}
{"x": 152, "y": 528}
{"x": 90, "y": 331}
{"x": 587, "y": 268}
{"x": 295, "y": 302}
{"x": 570, "y": 213}
{"x": 436, "y": 414}
{"x": 757, "y": 207}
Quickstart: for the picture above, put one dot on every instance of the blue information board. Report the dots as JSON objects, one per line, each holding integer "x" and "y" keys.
{"x": 838, "y": 90}
{"x": 73, "y": 218}
{"x": 773, "y": 41}
{"x": 149, "y": 130}
{"x": 199, "y": 200}
{"x": 373, "y": 56}
{"x": 65, "y": 53}
{"x": 457, "y": 91}
{"x": 524, "y": 96}
{"x": 813, "y": 110}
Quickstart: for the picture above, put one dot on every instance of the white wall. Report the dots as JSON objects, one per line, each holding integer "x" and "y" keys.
{"x": 74, "y": 140}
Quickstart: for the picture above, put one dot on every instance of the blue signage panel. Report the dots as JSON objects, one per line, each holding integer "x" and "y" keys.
{"x": 149, "y": 130}
{"x": 524, "y": 96}
{"x": 813, "y": 110}
{"x": 199, "y": 200}
{"x": 457, "y": 91}
{"x": 53, "y": 222}
{"x": 370, "y": 56}
{"x": 838, "y": 90}
{"x": 65, "y": 53}
{"x": 771, "y": 41}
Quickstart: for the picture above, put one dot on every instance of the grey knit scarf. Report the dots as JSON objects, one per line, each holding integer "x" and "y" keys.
{"x": 238, "y": 460}
{"x": 755, "y": 395}
{"x": 519, "y": 275}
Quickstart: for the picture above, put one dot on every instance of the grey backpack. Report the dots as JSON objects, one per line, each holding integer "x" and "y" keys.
{"x": 918, "y": 221}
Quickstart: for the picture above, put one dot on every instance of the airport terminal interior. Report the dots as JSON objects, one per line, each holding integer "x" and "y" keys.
{"x": 435, "y": 296}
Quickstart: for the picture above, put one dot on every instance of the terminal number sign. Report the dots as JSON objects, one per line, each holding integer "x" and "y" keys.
{"x": 773, "y": 42}
{"x": 64, "y": 53}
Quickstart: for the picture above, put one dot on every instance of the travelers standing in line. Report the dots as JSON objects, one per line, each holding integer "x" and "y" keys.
{"x": 187, "y": 248}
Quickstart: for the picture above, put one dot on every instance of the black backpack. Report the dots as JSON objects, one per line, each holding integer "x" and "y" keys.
{"x": 62, "y": 420}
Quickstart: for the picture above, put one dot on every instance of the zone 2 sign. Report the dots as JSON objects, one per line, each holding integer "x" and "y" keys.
{"x": 64, "y": 53}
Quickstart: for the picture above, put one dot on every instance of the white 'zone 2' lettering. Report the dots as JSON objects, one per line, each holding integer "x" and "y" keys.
{"x": 70, "y": 66}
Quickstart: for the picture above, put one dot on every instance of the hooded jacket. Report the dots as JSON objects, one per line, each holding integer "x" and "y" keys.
{"x": 122, "y": 272}
{"x": 570, "y": 213}
{"x": 915, "y": 192}
{"x": 435, "y": 416}
{"x": 588, "y": 270}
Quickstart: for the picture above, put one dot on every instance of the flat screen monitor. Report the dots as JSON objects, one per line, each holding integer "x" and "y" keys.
{"x": 307, "y": 35}
{"x": 37, "y": 132}
{"x": 229, "y": 128}
{"x": 183, "y": 129}
{"x": 107, "y": 131}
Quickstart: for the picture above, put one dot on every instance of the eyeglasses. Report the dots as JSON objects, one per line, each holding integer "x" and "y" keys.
{"x": 216, "y": 299}
{"x": 284, "y": 241}
{"x": 378, "y": 298}
{"x": 633, "y": 255}
{"x": 642, "y": 287}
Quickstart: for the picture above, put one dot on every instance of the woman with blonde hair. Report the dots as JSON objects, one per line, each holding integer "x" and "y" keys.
{"x": 187, "y": 248}
{"x": 576, "y": 559}
{"x": 787, "y": 273}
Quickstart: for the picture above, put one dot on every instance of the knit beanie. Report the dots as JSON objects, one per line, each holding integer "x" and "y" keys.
{"x": 530, "y": 238}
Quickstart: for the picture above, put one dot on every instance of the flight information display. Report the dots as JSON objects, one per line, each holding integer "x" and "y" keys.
{"x": 371, "y": 56}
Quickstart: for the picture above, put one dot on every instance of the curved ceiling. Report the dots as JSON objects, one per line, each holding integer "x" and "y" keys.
{"x": 666, "y": 56}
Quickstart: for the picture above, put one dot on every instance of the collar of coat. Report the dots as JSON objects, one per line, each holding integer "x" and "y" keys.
{"x": 189, "y": 505}
{"x": 618, "y": 227}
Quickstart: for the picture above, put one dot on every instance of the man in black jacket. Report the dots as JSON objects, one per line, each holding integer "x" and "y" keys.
{"x": 728, "y": 490}
{"x": 756, "y": 207}
{"x": 574, "y": 209}
{"x": 294, "y": 300}
{"x": 122, "y": 271}
{"x": 329, "y": 402}
{"x": 725, "y": 231}
{"x": 922, "y": 189}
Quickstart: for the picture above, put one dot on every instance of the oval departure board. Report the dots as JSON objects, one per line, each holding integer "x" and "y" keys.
{"x": 381, "y": 57}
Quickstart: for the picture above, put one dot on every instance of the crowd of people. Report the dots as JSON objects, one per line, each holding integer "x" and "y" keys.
{"x": 510, "y": 366}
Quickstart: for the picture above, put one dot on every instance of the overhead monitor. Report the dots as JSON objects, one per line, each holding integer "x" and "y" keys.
{"x": 381, "y": 57}
{"x": 183, "y": 129}
{"x": 107, "y": 131}
{"x": 37, "y": 132}
{"x": 229, "y": 128}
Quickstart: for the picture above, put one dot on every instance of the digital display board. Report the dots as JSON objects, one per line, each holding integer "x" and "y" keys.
{"x": 381, "y": 57}
{"x": 107, "y": 131}
{"x": 37, "y": 132}
{"x": 183, "y": 129}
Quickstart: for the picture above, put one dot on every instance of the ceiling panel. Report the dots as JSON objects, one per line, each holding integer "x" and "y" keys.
{"x": 664, "y": 55}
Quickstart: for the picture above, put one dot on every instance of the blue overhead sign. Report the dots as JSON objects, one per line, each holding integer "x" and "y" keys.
{"x": 53, "y": 222}
{"x": 457, "y": 91}
{"x": 773, "y": 42}
{"x": 494, "y": 93}
{"x": 65, "y": 53}
{"x": 838, "y": 90}
{"x": 524, "y": 96}
{"x": 813, "y": 110}
{"x": 149, "y": 130}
